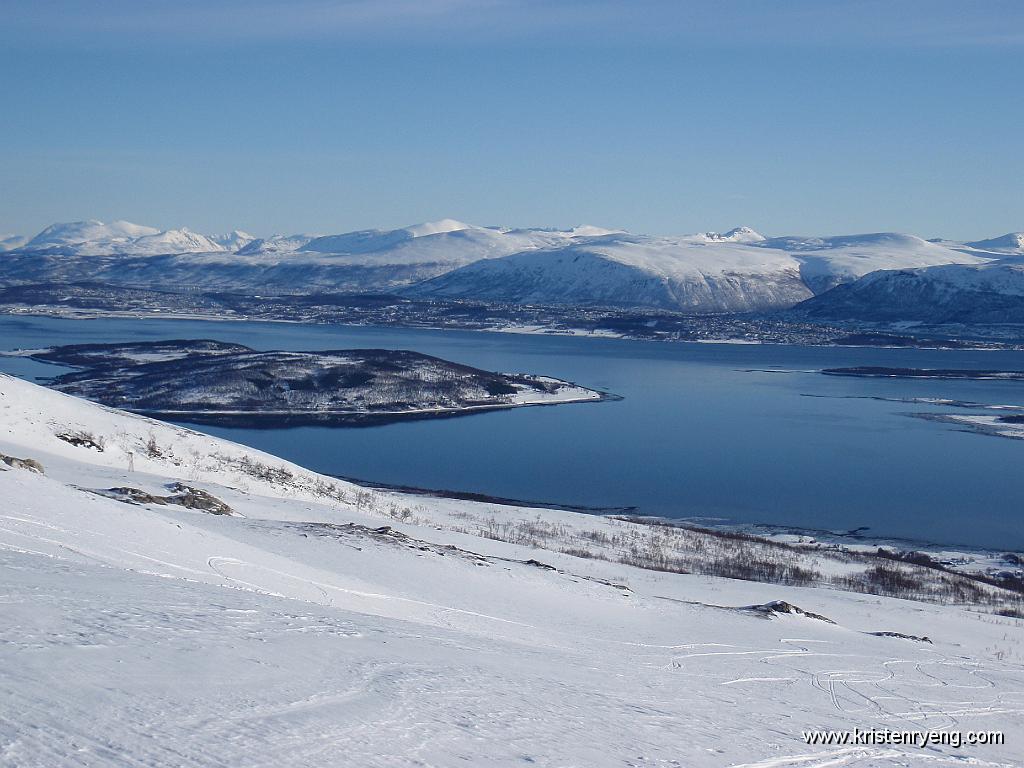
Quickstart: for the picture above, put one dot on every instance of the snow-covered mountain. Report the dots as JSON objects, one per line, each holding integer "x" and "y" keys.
{"x": 9, "y": 242}
{"x": 234, "y": 240}
{"x": 94, "y": 238}
{"x": 829, "y": 261}
{"x": 171, "y": 598}
{"x": 445, "y": 242}
{"x": 739, "y": 270}
{"x": 736, "y": 235}
{"x": 1011, "y": 243}
{"x": 628, "y": 270}
{"x": 382, "y": 260}
{"x": 983, "y": 285}
{"x": 89, "y": 236}
{"x": 988, "y": 293}
{"x": 170, "y": 241}
{"x": 373, "y": 240}
{"x": 368, "y": 260}
{"x": 275, "y": 244}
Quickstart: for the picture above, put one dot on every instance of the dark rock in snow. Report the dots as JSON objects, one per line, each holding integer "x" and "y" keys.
{"x": 779, "y": 607}
{"x": 902, "y": 636}
{"x": 30, "y": 464}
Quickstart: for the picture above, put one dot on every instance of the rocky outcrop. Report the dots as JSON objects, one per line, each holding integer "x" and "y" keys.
{"x": 30, "y": 464}
{"x": 180, "y": 495}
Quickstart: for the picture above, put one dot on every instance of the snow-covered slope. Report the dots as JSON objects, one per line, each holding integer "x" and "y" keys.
{"x": 233, "y": 241}
{"x": 829, "y": 261}
{"x": 740, "y": 270}
{"x": 628, "y": 270}
{"x": 735, "y": 235}
{"x": 275, "y": 244}
{"x": 1012, "y": 243}
{"x": 357, "y": 261}
{"x": 94, "y": 236}
{"x": 953, "y": 293}
{"x": 170, "y": 241}
{"x": 10, "y": 242}
{"x": 323, "y": 624}
{"x": 370, "y": 240}
{"x": 440, "y": 245}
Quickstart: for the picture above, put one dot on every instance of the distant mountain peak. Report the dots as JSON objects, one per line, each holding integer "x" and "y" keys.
{"x": 275, "y": 244}
{"x": 440, "y": 227}
{"x": 743, "y": 235}
{"x": 1012, "y": 242}
{"x": 8, "y": 241}
{"x": 172, "y": 241}
{"x": 233, "y": 240}
{"x": 736, "y": 235}
{"x": 589, "y": 230}
{"x": 77, "y": 232}
{"x": 95, "y": 238}
{"x": 374, "y": 240}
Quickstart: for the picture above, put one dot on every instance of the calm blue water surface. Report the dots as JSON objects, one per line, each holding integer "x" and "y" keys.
{"x": 696, "y": 435}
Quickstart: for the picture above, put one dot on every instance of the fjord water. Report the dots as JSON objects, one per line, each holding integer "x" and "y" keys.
{"x": 703, "y": 430}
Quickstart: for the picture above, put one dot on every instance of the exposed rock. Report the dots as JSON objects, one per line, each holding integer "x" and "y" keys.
{"x": 82, "y": 440}
{"x": 778, "y": 607}
{"x": 901, "y": 635}
{"x": 30, "y": 464}
{"x": 196, "y": 498}
{"x": 539, "y": 564}
{"x": 181, "y": 495}
{"x": 133, "y": 496}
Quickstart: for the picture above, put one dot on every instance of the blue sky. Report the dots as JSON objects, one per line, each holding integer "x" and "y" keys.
{"x": 664, "y": 117}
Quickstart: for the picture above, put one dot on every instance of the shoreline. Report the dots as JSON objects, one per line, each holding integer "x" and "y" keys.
{"x": 854, "y": 537}
{"x": 288, "y": 420}
{"x": 778, "y": 532}
{"x": 522, "y": 330}
{"x": 483, "y": 498}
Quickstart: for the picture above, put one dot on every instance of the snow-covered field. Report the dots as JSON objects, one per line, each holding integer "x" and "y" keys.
{"x": 322, "y": 624}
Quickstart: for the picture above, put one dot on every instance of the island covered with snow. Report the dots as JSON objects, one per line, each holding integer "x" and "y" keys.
{"x": 212, "y": 382}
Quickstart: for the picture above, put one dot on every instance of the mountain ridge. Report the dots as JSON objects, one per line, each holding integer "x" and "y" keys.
{"x": 740, "y": 270}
